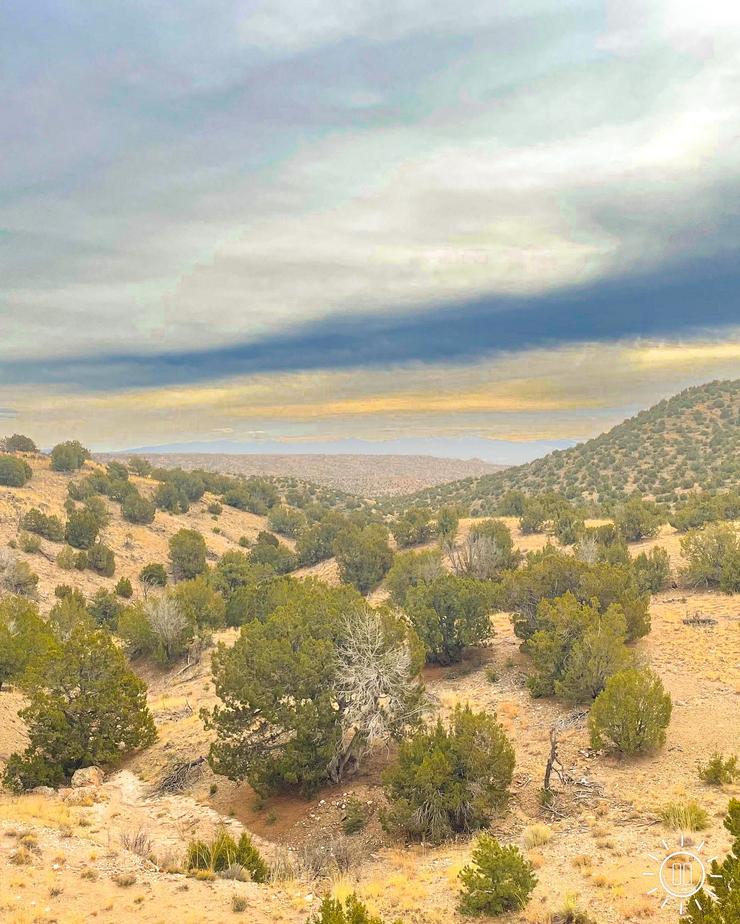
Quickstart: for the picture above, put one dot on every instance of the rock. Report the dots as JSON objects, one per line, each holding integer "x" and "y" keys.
{"x": 83, "y": 795}
{"x": 44, "y": 791}
{"x": 87, "y": 776}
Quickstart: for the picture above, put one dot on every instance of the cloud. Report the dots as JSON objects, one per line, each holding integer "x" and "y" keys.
{"x": 272, "y": 164}
{"x": 571, "y": 392}
{"x": 687, "y": 299}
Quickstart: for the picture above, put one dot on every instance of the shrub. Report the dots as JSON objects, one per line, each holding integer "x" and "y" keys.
{"x": 224, "y": 852}
{"x": 637, "y": 519}
{"x": 85, "y": 707}
{"x": 187, "y": 554}
{"x": 448, "y": 521}
{"x": 66, "y": 558}
{"x": 486, "y": 552}
{"x": 82, "y": 529}
{"x": 723, "y": 906}
{"x": 23, "y": 635}
{"x": 352, "y": 911}
{"x": 316, "y": 543}
{"x": 286, "y": 521}
{"x": 14, "y": 472}
{"x": 449, "y": 614}
{"x": 171, "y": 497}
{"x": 137, "y": 465}
{"x": 684, "y": 816}
{"x": 17, "y": 576}
{"x": 413, "y": 527}
{"x": 101, "y": 559}
{"x": 410, "y": 569}
{"x": 568, "y": 527}
{"x": 50, "y": 527}
{"x": 449, "y": 781}
{"x": 268, "y": 550}
{"x": 69, "y": 456}
{"x": 105, "y": 608}
{"x": 215, "y": 509}
{"x": 153, "y": 575}
{"x": 499, "y": 879}
{"x": 363, "y": 555}
{"x": 200, "y": 603}
{"x": 712, "y": 557}
{"x": 632, "y": 712}
{"x": 137, "y": 509}
{"x": 18, "y": 443}
{"x": 718, "y": 771}
{"x": 124, "y": 589}
{"x": 158, "y": 628}
{"x": 97, "y": 507}
{"x": 355, "y": 817}
{"x": 533, "y": 519}
{"x": 577, "y": 648}
{"x": 29, "y": 542}
{"x": 652, "y": 571}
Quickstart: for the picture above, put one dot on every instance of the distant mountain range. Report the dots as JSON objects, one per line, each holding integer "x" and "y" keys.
{"x": 496, "y": 452}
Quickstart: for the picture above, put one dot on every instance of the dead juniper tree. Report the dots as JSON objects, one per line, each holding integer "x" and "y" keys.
{"x": 169, "y": 625}
{"x": 554, "y": 764}
{"x": 377, "y": 686}
{"x": 477, "y": 556}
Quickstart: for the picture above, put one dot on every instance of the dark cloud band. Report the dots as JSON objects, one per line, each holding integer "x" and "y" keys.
{"x": 673, "y": 302}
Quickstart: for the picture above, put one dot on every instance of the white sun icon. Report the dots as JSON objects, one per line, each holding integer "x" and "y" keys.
{"x": 681, "y": 874}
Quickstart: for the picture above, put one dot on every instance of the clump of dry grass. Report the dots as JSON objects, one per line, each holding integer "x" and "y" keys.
{"x": 684, "y": 816}
{"x": 124, "y": 880}
{"x": 536, "y": 835}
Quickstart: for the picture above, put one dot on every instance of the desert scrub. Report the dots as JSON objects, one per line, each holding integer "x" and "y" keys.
{"x": 684, "y": 816}
{"x": 718, "y": 771}
{"x": 536, "y": 835}
{"x": 632, "y": 712}
{"x": 224, "y": 853}
{"x": 238, "y": 903}
{"x": 449, "y": 781}
{"x": 353, "y": 911}
{"x": 499, "y": 879}
{"x": 355, "y": 817}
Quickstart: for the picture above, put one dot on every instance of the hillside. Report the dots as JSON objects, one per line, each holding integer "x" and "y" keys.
{"x": 363, "y": 475}
{"x": 687, "y": 441}
{"x": 134, "y": 545}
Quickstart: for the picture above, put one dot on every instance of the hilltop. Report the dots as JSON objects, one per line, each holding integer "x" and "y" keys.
{"x": 688, "y": 441}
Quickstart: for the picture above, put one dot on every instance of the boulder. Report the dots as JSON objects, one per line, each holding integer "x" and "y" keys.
{"x": 87, "y": 776}
{"x": 44, "y": 791}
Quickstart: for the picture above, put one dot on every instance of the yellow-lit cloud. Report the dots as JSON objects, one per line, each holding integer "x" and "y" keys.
{"x": 569, "y": 392}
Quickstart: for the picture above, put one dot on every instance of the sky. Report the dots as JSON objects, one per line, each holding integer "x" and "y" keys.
{"x": 481, "y": 228}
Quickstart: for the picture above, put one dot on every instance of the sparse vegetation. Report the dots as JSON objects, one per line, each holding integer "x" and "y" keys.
{"x": 224, "y": 853}
{"x": 718, "y": 770}
{"x": 684, "y": 816}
